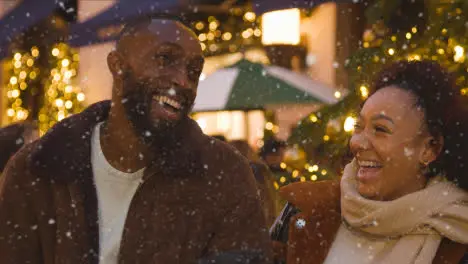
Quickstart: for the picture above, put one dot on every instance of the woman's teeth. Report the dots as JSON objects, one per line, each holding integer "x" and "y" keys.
{"x": 166, "y": 100}
{"x": 369, "y": 164}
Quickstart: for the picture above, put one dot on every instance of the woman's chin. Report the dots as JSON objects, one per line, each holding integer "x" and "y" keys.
{"x": 368, "y": 191}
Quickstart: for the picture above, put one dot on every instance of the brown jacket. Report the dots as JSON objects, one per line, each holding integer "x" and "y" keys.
{"x": 196, "y": 203}
{"x": 319, "y": 205}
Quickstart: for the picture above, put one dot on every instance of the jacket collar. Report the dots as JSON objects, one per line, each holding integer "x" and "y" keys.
{"x": 65, "y": 151}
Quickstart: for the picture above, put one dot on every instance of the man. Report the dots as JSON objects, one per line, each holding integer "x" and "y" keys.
{"x": 135, "y": 180}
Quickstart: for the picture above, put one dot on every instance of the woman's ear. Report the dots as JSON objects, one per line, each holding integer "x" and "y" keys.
{"x": 432, "y": 148}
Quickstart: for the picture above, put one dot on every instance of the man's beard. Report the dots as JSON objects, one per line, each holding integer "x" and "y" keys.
{"x": 137, "y": 102}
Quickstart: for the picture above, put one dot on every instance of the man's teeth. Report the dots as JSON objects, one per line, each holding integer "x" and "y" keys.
{"x": 372, "y": 164}
{"x": 167, "y": 100}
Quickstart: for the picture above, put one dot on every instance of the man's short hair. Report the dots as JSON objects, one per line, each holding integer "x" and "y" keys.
{"x": 132, "y": 25}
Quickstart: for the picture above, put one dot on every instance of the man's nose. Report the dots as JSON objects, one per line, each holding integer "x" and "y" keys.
{"x": 180, "y": 79}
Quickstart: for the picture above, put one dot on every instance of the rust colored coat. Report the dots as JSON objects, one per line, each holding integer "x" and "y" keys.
{"x": 319, "y": 205}
{"x": 197, "y": 202}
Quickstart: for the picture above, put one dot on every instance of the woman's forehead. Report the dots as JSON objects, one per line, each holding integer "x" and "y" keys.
{"x": 391, "y": 101}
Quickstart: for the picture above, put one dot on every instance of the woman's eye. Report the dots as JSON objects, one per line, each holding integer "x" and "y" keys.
{"x": 381, "y": 129}
{"x": 357, "y": 126}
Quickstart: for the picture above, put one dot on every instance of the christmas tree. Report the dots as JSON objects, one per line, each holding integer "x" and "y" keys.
{"x": 397, "y": 30}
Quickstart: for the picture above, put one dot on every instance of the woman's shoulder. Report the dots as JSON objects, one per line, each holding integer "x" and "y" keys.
{"x": 313, "y": 196}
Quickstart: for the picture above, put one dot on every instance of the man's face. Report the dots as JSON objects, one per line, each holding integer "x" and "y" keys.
{"x": 159, "y": 83}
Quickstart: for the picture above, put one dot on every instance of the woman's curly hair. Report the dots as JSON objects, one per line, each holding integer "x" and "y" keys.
{"x": 445, "y": 111}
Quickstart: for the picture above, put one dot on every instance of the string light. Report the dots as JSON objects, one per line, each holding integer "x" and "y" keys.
{"x": 364, "y": 91}
{"x": 459, "y": 53}
{"x": 349, "y": 124}
{"x": 250, "y": 16}
{"x": 391, "y": 51}
{"x": 337, "y": 94}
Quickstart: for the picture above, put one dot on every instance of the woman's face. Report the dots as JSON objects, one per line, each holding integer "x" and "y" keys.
{"x": 390, "y": 143}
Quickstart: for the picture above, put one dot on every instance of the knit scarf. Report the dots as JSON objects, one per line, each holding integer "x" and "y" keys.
{"x": 417, "y": 221}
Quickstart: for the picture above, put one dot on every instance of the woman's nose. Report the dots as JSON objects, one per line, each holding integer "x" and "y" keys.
{"x": 359, "y": 142}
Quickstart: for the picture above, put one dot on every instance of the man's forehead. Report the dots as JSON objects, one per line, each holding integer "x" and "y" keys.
{"x": 159, "y": 31}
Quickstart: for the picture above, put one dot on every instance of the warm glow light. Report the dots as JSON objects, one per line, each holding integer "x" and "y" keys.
{"x": 281, "y": 27}
{"x": 364, "y": 91}
{"x": 35, "y": 52}
{"x": 227, "y": 36}
{"x": 393, "y": 38}
{"x": 315, "y": 168}
{"x": 68, "y": 89}
{"x": 349, "y": 124}
{"x": 199, "y": 25}
{"x": 257, "y": 32}
{"x": 59, "y": 102}
{"x": 15, "y": 93}
{"x": 55, "y": 52}
{"x": 414, "y": 57}
{"x": 33, "y": 75}
{"x": 283, "y": 165}
{"x": 80, "y": 97}
{"x": 13, "y": 80}
{"x": 269, "y": 126}
{"x": 65, "y": 63}
{"x": 68, "y": 104}
{"x": 313, "y": 177}
{"x": 391, "y": 51}
{"x": 313, "y": 118}
{"x": 213, "y": 25}
{"x": 337, "y": 94}
{"x": 60, "y": 115}
{"x": 295, "y": 173}
{"x": 246, "y": 34}
{"x": 250, "y": 16}
{"x": 10, "y": 112}
{"x": 203, "y": 46}
{"x": 408, "y": 35}
{"x": 459, "y": 53}
{"x": 414, "y": 30}
{"x": 23, "y": 75}
{"x": 17, "y": 64}
{"x": 17, "y": 56}
{"x": 441, "y": 51}
{"x": 324, "y": 172}
{"x": 326, "y": 138}
{"x": 21, "y": 114}
{"x": 57, "y": 77}
{"x": 202, "y": 37}
{"x": 303, "y": 179}
{"x": 30, "y": 62}
{"x": 68, "y": 74}
{"x": 282, "y": 179}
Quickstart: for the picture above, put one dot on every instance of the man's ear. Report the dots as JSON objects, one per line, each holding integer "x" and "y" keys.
{"x": 116, "y": 64}
{"x": 432, "y": 148}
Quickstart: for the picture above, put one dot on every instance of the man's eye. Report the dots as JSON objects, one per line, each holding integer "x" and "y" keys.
{"x": 193, "y": 73}
{"x": 162, "y": 59}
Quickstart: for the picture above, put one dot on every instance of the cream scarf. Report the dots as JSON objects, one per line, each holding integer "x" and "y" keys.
{"x": 418, "y": 221}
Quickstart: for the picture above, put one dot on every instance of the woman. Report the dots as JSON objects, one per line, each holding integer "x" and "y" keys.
{"x": 263, "y": 178}
{"x": 403, "y": 198}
